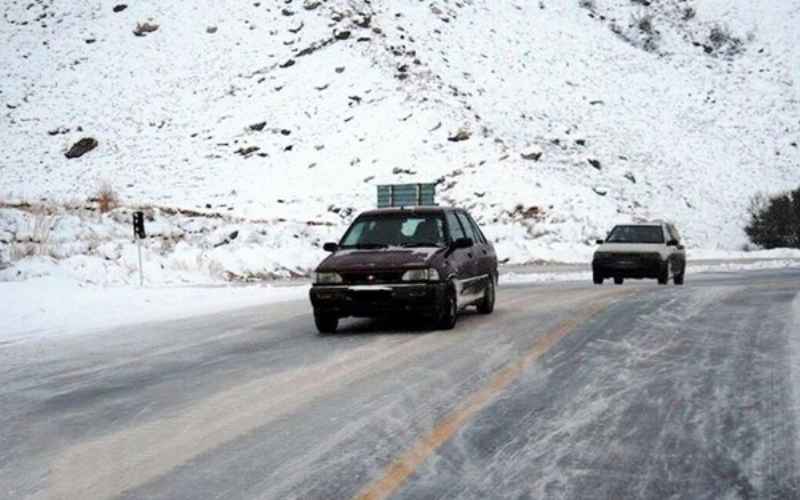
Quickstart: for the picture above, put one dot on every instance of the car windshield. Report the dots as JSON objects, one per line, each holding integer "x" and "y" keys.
{"x": 386, "y": 230}
{"x": 636, "y": 234}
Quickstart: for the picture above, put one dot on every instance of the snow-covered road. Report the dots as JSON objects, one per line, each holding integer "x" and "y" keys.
{"x": 567, "y": 391}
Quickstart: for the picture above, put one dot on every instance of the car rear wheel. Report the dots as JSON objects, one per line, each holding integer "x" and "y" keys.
{"x": 326, "y": 323}
{"x": 619, "y": 281}
{"x": 678, "y": 278}
{"x": 449, "y": 310}
{"x": 597, "y": 278}
{"x": 486, "y": 306}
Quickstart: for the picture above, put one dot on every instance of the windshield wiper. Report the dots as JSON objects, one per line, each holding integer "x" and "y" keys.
{"x": 368, "y": 246}
{"x": 422, "y": 244}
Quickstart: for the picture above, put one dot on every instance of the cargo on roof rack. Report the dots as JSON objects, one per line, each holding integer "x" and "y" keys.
{"x": 406, "y": 195}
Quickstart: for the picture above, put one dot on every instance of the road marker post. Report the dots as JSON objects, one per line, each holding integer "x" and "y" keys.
{"x": 139, "y": 235}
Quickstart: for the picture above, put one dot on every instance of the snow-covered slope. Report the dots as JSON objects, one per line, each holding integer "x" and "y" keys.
{"x": 633, "y": 109}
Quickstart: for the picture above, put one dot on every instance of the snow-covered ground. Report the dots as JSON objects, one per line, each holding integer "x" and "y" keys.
{"x": 579, "y": 115}
{"x": 47, "y": 307}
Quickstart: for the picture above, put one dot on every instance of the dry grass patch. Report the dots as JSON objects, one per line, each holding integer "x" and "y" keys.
{"x": 106, "y": 198}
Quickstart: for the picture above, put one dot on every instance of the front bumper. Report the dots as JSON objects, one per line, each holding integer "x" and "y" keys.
{"x": 640, "y": 267}
{"x": 378, "y": 300}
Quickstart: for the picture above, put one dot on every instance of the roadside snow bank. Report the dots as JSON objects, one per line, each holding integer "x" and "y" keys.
{"x": 543, "y": 277}
{"x": 759, "y": 265}
{"x": 180, "y": 248}
{"x": 717, "y": 254}
{"x": 55, "y": 307}
{"x": 511, "y": 278}
{"x": 81, "y": 245}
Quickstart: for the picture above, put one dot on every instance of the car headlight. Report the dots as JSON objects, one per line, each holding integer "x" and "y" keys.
{"x": 327, "y": 278}
{"x": 601, "y": 255}
{"x": 421, "y": 275}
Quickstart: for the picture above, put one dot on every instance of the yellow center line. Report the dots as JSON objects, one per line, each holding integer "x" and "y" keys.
{"x": 398, "y": 472}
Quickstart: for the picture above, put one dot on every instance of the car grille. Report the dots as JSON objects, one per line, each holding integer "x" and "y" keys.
{"x": 630, "y": 256}
{"x": 374, "y": 278}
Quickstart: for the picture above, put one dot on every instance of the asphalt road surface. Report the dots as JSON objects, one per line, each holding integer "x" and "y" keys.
{"x": 567, "y": 391}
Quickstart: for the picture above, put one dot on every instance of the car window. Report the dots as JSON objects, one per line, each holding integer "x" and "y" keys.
{"x": 470, "y": 232}
{"x": 454, "y": 226}
{"x": 636, "y": 234}
{"x": 410, "y": 226}
{"x": 674, "y": 233}
{"x": 476, "y": 229}
{"x": 385, "y": 230}
{"x": 355, "y": 232}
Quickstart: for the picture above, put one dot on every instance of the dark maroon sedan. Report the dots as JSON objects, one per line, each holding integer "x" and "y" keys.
{"x": 430, "y": 261}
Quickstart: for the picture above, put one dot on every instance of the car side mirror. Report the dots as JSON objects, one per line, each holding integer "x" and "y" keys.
{"x": 463, "y": 243}
{"x": 600, "y": 242}
{"x": 330, "y": 247}
{"x": 672, "y": 243}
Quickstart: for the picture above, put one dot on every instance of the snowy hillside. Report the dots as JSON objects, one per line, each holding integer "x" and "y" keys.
{"x": 279, "y": 118}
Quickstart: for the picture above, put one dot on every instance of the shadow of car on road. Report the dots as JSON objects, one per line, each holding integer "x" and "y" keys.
{"x": 396, "y": 325}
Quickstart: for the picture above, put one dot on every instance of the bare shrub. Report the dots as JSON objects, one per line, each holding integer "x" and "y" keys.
{"x": 35, "y": 239}
{"x": 21, "y": 251}
{"x": 688, "y": 13}
{"x": 106, "y": 198}
{"x": 586, "y": 4}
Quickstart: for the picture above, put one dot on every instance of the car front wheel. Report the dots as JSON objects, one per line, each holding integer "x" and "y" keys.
{"x": 663, "y": 277}
{"x": 449, "y": 310}
{"x": 326, "y": 323}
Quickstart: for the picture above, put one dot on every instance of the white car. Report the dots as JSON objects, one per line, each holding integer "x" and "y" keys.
{"x": 650, "y": 250}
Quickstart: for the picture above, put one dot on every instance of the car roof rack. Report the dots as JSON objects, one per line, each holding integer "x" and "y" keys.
{"x": 406, "y": 195}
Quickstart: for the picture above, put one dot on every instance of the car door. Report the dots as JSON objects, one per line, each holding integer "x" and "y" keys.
{"x": 487, "y": 259}
{"x": 477, "y": 281}
{"x": 459, "y": 260}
